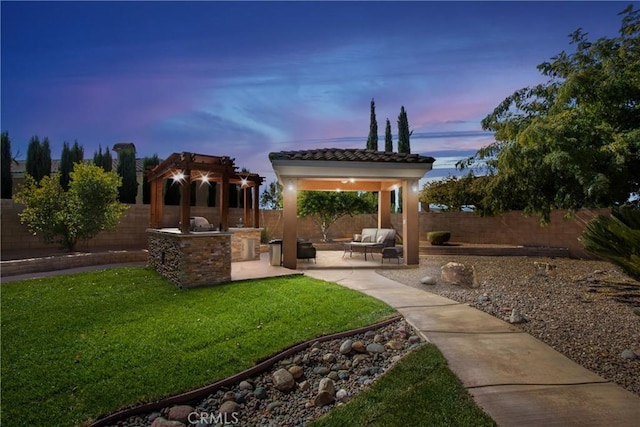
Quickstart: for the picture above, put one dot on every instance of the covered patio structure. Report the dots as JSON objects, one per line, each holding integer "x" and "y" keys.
{"x": 333, "y": 169}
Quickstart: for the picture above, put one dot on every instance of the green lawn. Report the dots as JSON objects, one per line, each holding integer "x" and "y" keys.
{"x": 79, "y": 346}
{"x": 418, "y": 391}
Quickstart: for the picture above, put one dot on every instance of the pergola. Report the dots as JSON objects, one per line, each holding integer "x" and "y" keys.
{"x": 190, "y": 167}
{"x": 352, "y": 170}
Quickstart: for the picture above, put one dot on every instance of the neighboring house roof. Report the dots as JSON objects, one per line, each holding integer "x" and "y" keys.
{"x": 350, "y": 155}
{"x": 17, "y": 170}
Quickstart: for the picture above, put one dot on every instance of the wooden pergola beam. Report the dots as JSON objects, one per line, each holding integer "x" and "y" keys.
{"x": 193, "y": 167}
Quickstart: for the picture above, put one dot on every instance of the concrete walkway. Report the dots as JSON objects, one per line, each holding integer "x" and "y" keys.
{"x": 517, "y": 379}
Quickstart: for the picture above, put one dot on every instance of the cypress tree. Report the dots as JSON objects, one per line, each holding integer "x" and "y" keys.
{"x": 7, "y": 181}
{"x": 97, "y": 156}
{"x": 77, "y": 152}
{"x": 31, "y": 166}
{"x": 403, "y": 132}
{"x": 127, "y": 170}
{"x": 69, "y": 157}
{"x": 66, "y": 166}
{"x": 107, "y": 161}
{"x": 388, "y": 139}
{"x": 38, "y": 163}
{"x": 45, "y": 157}
{"x": 372, "y": 140}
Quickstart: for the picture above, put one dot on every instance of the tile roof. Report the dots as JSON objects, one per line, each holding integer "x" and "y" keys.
{"x": 350, "y": 155}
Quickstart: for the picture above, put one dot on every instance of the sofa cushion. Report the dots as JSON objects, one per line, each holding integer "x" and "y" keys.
{"x": 367, "y": 239}
{"x": 371, "y": 232}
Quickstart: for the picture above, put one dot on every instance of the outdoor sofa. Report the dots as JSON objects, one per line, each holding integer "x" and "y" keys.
{"x": 371, "y": 240}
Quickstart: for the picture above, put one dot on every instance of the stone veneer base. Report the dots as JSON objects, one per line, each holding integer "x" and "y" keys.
{"x": 190, "y": 260}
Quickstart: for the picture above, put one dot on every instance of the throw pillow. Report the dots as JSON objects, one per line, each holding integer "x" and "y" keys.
{"x": 366, "y": 239}
{"x": 381, "y": 238}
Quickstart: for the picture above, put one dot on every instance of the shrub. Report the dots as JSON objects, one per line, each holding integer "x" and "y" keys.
{"x": 265, "y": 236}
{"x": 64, "y": 217}
{"x": 438, "y": 237}
{"x": 616, "y": 238}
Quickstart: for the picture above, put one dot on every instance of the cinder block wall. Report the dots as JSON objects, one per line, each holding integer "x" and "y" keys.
{"x": 508, "y": 229}
{"x": 512, "y": 228}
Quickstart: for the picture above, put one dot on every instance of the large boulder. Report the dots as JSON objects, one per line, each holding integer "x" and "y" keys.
{"x": 455, "y": 273}
{"x": 180, "y": 413}
{"x": 283, "y": 380}
{"x": 326, "y": 392}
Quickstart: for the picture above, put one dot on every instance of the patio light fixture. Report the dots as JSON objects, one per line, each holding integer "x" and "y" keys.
{"x": 178, "y": 177}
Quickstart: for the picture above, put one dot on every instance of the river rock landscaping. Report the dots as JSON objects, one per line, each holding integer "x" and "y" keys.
{"x": 297, "y": 389}
{"x": 587, "y": 310}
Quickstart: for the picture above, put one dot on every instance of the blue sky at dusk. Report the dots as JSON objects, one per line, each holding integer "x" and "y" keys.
{"x": 246, "y": 78}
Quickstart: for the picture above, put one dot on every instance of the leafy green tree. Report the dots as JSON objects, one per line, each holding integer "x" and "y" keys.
{"x": 7, "y": 160}
{"x": 271, "y": 197}
{"x": 87, "y": 208}
{"x": 104, "y": 160}
{"x": 147, "y": 164}
{"x": 69, "y": 157}
{"x": 404, "y": 134}
{"x": 127, "y": 171}
{"x": 326, "y": 207}
{"x": 388, "y": 139}
{"x": 573, "y": 141}
{"x": 372, "y": 140}
{"x": 453, "y": 193}
{"x": 616, "y": 238}
{"x": 38, "y": 163}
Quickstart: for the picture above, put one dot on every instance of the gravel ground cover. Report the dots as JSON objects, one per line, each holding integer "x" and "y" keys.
{"x": 587, "y": 310}
{"x": 297, "y": 389}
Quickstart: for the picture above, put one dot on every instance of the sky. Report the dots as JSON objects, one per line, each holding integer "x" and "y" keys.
{"x": 243, "y": 79}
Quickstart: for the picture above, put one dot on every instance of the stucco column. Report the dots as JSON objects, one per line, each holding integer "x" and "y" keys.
{"x": 290, "y": 223}
{"x": 384, "y": 209}
{"x": 410, "y": 222}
